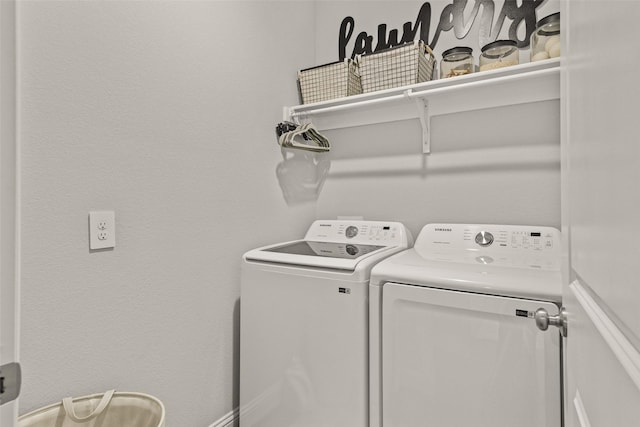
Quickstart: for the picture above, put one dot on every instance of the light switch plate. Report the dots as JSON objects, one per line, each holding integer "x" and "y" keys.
{"x": 102, "y": 229}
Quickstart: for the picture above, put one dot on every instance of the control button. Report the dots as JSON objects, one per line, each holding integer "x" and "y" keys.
{"x": 352, "y": 231}
{"x": 484, "y": 238}
{"x": 352, "y": 250}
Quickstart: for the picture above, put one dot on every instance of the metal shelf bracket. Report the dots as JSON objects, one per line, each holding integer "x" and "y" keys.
{"x": 422, "y": 105}
{"x": 425, "y": 121}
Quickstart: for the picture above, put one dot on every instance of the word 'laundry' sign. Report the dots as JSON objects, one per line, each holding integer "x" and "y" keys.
{"x": 451, "y": 18}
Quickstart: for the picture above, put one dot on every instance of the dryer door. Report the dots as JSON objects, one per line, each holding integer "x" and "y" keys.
{"x": 452, "y": 359}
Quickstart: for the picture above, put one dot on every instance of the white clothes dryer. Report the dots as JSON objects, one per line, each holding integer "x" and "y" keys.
{"x": 304, "y": 325}
{"x": 453, "y": 338}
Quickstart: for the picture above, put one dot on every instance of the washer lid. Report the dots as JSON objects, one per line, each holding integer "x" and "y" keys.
{"x": 324, "y": 249}
{"x": 517, "y": 261}
{"x": 332, "y": 255}
{"x": 337, "y": 244}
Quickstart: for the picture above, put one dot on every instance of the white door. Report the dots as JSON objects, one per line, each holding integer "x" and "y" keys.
{"x": 452, "y": 359}
{"x": 8, "y": 290}
{"x": 601, "y": 211}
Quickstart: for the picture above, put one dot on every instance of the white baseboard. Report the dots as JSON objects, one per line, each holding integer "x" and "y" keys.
{"x": 229, "y": 420}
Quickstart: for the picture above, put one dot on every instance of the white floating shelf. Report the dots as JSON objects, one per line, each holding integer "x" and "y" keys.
{"x": 519, "y": 84}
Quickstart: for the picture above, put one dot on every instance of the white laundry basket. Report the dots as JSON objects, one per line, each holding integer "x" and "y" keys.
{"x": 110, "y": 409}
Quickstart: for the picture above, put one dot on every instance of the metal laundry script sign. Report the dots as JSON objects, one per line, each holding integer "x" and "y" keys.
{"x": 451, "y": 18}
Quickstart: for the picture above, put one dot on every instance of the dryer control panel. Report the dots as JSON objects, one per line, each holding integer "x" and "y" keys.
{"x": 506, "y": 245}
{"x": 502, "y": 238}
{"x": 363, "y": 232}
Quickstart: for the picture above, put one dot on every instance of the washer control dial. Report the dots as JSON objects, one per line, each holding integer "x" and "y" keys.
{"x": 352, "y": 250}
{"x": 484, "y": 238}
{"x": 351, "y": 231}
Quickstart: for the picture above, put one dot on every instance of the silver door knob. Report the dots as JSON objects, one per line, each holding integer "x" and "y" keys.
{"x": 543, "y": 320}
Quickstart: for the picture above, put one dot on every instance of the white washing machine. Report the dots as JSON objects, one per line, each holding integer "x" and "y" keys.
{"x": 304, "y": 325}
{"x": 454, "y": 340}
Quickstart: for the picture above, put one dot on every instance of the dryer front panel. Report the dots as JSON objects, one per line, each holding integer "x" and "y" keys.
{"x": 452, "y": 359}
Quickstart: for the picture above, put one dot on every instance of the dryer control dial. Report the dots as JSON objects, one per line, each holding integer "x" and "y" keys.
{"x": 484, "y": 238}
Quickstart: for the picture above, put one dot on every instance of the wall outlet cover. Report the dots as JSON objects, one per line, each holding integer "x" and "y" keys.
{"x": 102, "y": 229}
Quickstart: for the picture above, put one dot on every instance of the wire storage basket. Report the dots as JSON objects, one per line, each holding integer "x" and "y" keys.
{"x": 329, "y": 81}
{"x": 402, "y": 65}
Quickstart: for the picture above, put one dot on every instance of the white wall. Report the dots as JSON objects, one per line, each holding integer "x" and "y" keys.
{"x": 497, "y": 165}
{"x": 493, "y": 166}
{"x": 163, "y": 111}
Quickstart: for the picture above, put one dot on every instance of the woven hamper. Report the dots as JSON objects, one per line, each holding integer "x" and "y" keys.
{"x": 108, "y": 409}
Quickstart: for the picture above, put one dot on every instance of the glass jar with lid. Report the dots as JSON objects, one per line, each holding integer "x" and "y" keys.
{"x": 456, "y": 61}
{"x": 498, "y": 54}
{"x": 545, "y": 40}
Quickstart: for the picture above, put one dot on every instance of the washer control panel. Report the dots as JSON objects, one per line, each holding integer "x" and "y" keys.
{"x": 363, "y": 232}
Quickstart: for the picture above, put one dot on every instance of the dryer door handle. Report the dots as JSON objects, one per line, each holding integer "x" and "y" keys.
{"x": 543, "y": 320}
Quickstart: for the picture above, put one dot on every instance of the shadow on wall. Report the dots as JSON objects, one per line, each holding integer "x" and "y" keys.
{"x": 301, "y": 175}
{"x": 508, "y": 139}
{"x": 536, "y": 123}
{"x": 511, "y": 139}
